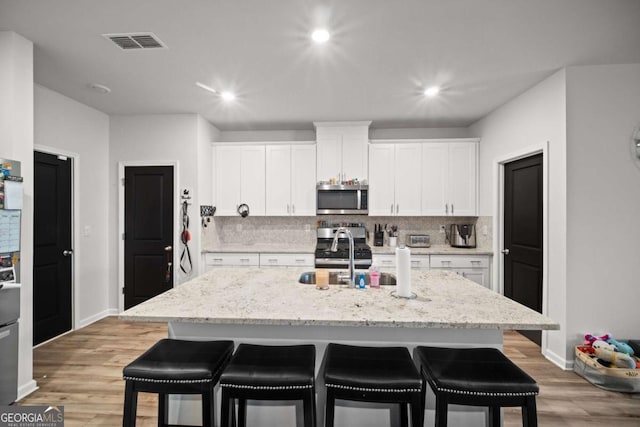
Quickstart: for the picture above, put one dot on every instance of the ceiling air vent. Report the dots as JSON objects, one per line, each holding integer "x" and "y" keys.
{"x": 131, "y": 41}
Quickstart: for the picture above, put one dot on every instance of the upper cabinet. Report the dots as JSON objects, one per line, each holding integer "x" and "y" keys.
{"x": 449, "y": 178}
{"x": 342, "y": 150}
{"x": 423, "y": 177}
{"x": 290, "y": 180}
{"x": 394, "y": 175}
{"x": 239, "y": 178}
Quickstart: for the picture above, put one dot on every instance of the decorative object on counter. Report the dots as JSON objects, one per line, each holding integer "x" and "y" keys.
{"x": 374, "y": 276}
{"x": 403, "y": 272}
{"x": 393, "y": 235}
{"x": 243, "y": 210}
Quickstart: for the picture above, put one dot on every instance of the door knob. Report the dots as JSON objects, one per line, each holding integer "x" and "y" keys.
{"x": 505, "y": 251}
{"x": 67, "y": 252}
{"x": 167, "y": 248}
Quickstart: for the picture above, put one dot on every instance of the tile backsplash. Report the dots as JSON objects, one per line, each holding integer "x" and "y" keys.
{"x": 222, "y": 231}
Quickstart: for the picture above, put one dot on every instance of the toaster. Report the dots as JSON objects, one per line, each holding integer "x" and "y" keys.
{"x": 418, "y": 240}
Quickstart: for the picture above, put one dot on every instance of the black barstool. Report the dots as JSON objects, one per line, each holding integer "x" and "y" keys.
{"x": 260, "y": 372}
{"x": 477, "y": 377}
{"x": 373, "y": 374}
{"x": 175, "y": 367}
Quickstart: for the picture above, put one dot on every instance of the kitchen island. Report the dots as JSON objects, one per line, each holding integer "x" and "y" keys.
{"x": 269, "y": 306}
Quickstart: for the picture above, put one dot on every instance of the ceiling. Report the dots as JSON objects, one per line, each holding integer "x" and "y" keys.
{"x": 381, "y": 56}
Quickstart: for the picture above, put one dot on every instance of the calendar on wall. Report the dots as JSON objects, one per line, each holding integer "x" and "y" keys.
{"x": 9, "y": 230}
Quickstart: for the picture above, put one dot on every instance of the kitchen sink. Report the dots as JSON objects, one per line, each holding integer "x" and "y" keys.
{"x": 309, "y": 278}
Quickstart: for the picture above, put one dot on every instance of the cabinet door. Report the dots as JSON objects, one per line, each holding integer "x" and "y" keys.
{"x": 278, "y": 180}
{"x": 227, "y": 182}
{"x": 355, "y": 159}
{"x": 462, "y": 179}
{"x": 407, "y": 179}
{"x": 252, "y": 179}
{"x": 303, "y": 180}
{"x": 381, "y": 179}
{"x": 329, "y": 157}
{"x": 479, "y": 275}
{"x": 435, "y": 161}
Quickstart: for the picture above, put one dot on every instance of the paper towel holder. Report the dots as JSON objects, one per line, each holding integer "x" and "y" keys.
{"x": 412, "y": 296}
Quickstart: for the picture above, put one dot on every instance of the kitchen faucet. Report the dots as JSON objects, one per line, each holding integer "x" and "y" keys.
{"x": 342, "y": 231}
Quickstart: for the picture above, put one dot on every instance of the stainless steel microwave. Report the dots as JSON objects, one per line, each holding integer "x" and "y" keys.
{"x": 342, "y": 199}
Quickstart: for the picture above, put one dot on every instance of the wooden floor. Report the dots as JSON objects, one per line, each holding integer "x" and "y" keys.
{"x": 83, "y": 371}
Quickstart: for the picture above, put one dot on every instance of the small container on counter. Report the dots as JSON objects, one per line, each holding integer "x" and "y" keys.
{"x": 374, "y": 276}
{"x": 322, "y": 279}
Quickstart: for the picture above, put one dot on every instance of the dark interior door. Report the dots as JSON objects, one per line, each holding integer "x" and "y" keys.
{"x": 52, "y": 251}
{"x": 523, "y": 251}
{"x": 148, "y": 217}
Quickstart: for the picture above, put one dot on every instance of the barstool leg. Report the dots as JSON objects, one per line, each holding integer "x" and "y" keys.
{"x": 242, "y": 412}
{"x": 417, "y": 411}
{"x": 226, "y": 409}
{"x": 329, "y": 408}
{"x": 442, "y": 406}
{"x": 163, "y": 411}
{"x": 404, "y": 416}
{"x": 530, "y": 413}
{"x": 494, "y": 416}
{"x": 130, "y": 405}
{"x": 207, "y": 408}
{"x": 308, "y": 409}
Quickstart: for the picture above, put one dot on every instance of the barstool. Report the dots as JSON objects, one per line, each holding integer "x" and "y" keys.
{"x": 477, "y": 377}
{"x": 373, "y": 374}
{"x": 260, "y": 372}
{"x": 175, "y": 367}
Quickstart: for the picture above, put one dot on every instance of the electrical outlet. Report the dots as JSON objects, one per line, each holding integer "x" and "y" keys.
{"x": 441, "y": 229}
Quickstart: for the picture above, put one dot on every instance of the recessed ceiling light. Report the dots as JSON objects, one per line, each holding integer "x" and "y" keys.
{"x": 320, "y": 35}
{"x": 99, "y": 88}
{"x": 205, "y": 87}
{"x": 228, "y": 96}
{"x": 432, "y": 91}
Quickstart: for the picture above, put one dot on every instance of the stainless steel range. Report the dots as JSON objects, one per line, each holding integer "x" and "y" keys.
{"x": 325, "y": 258}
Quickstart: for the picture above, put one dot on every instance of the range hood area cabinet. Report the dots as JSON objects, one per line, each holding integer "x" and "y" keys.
{"x": 291, "y": 180}
{"x": 342, "y": 150}
{"x": 423, "y": 177}
{"x": 394, "y": 179}
{"x": 239, "y": 178}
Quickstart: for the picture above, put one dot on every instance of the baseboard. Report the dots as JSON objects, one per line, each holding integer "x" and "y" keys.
{"x": 560, "y": 362}
{"x": 92, "y": 319}
{"x": 26, "y": 389}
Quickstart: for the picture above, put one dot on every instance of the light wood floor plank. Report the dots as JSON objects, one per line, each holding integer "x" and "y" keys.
{"x": 83, "y": 371}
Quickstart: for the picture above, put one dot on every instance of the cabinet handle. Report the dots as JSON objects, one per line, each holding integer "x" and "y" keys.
{"x": 391, "y": 208}
{"x": 244, "y": 259}
{"x": 452, "y": 209}
{"x": 288, "y": 208}
{"x": 445, "y": 263}
{"x": 299, "y": 260}
{"x": 386, "y": 261}
{"x": 398, "y": 208}
{"x": 293, "y": 208}
{"x": 217, "y": 259}
{"x": 446, "y": 208}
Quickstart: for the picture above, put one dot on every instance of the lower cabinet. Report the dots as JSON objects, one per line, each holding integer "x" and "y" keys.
{"x": 389, "y": 261}
{"x": 286, "y": 260}
{"x": 473, "y": 267}
{"x": 226, "y": 259}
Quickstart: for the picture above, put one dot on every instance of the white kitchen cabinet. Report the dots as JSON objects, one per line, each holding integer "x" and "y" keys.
{"x": 474, "y": 267}
{"x": 394, "y": 179}
{"x": 449, "y": 178}
{"x": 386, "y": 261}
{"x": 290, "y": 180}
{"x": 227, "y": 259}
{"x": 342, "y": 150}
{"x": 239, "y": 177}
{"x": 287, "y": 260}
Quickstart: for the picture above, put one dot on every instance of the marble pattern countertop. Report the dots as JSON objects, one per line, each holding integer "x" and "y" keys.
{"x": 310, "y": 249}
{"x": 253, "y": 296}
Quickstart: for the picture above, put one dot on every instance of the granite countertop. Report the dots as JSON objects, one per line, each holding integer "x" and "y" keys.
{"x": 253, "y": 296}
{"x": 310, "y": 248}
{"x": 433, "y": 250}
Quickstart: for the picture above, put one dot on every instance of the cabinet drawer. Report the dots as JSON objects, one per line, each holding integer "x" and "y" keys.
{"x": 459, "y": 261}
{"x": 389, "y": 261}
{"x": 287, "y": 260}
{"x": 232, "y": 259}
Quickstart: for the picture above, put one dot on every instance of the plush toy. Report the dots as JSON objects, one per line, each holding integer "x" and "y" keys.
{"x": 607, "y": 353}
{"x": 622, "y": 347}
{"x": 589, "y": 339}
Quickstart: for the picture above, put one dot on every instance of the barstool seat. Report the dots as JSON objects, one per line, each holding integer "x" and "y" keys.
{"x": 372, "y": 374}
{"x": 176, "y": 367}
{"x": 260, "y": 372}
{"x": 477, "y": 377}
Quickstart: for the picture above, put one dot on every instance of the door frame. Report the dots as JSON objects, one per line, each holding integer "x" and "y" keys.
{"x": 498, "y": 220}
{"x": 176, "y": 214}
{"x": 75, "y": 217}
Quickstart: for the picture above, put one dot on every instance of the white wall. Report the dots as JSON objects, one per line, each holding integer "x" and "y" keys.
{"x": 531, "y": 119}
{"x": 603, "y": 202}
{"x": 64, "y": 126}
{"x": 156, "y": 138}
{"x": 16, "y": 142}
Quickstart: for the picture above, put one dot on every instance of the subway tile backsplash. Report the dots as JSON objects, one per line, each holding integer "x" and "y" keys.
{"x": 223, "y": 231}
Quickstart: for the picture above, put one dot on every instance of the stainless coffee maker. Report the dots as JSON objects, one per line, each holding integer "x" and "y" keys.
{"x": 462, "y": 235}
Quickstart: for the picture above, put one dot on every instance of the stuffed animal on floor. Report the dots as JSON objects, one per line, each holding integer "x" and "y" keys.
{"x": 590, "y": 339}
{"x": 622, "y": 347}
{"x": 606, "y": 352}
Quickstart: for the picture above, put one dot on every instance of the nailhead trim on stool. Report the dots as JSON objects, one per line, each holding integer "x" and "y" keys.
{"x": 373, "y": 374}
{"x": 175, "y": 367}
{"x": 262, "y": 372}
{"x": 476, "y": 377}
